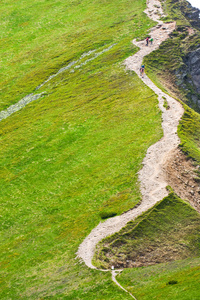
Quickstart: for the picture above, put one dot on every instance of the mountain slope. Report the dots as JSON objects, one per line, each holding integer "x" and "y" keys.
{"x": 75, "y": 152}
{"x": 73, "y": 155}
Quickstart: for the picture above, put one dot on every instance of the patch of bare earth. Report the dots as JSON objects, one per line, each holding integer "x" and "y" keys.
{"x": 152, "y": 255}
{"x": 181, "y": 175}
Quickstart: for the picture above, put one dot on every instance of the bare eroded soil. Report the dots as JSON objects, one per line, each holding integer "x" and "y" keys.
{"x": 180, "y": 173}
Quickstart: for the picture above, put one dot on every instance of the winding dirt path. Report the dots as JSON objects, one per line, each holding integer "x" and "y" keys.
{"x": 151, "y": 177}
{"x": 114, "y": 274}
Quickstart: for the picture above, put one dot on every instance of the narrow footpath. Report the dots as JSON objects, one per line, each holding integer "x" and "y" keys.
{"x": 151, "y": 177}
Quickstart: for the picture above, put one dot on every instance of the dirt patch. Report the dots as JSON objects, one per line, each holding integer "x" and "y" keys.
{"x": 191, "y": 31}
{"x": 181, "y": 175}
{"x": 152, "y": 255}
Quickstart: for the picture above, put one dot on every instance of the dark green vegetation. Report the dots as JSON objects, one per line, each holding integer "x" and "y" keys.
{"x": 169, "y": 231}
{"x": 154, "y": 282}
{"x": 73, "y": 155}
{"x": 166, "y": 105}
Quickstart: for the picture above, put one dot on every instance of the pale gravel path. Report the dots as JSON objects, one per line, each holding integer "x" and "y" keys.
{"x": 153, "y": 184}
{"x": 114, "y": 274}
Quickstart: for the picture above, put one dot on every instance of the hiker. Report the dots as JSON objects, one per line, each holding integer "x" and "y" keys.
{"x": 142, "y": 70}
{"x": 151, "y": 41}
{"x": 147, "y": 41}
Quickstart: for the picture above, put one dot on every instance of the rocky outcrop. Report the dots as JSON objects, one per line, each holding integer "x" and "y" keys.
{"x": 193, "y": 63}
{"x": 188, "y": 75}
{"x": 188, "y": 78}
{"x": 189, "y": 12}
{"x": 192, "y": 14}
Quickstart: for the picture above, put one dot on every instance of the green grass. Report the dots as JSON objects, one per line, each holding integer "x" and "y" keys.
{"x": 153, "y": 282}
{"x": 165, "y": 105}
{"x": 63, "y": 162}
{"x": 39, "y": 37}
{"x": 174, "y": 11}
{"x": 164, "y": 64}
{"x": 71, "y": 157}
{"x": 189, "y": 132}
{"x": 169, "y": 231}
{"x": 74, "y": 154}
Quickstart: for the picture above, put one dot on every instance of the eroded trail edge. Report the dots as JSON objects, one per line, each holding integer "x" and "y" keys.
{"x": 151, "y": 176}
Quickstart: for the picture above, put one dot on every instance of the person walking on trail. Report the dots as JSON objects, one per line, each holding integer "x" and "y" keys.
{"x": 147, "y": 41}
{"x": 142, "y": 70}
{"x": 151, "y": 41}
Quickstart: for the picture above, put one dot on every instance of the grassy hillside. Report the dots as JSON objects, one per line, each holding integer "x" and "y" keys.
{"x": 189, "y": 132}
{"x": 174, "y": 280}
{"x": 163, "y": 64}
{"x": 170, "y": 231}
{"x": 74, "y": 154}
{"x": 177, "y": 280}
{"x": 39, "y": 37}
{"x": 167, "y": 66}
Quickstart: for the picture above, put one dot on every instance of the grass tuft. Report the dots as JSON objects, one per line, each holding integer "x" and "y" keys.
{"x": 172, "y": 282}
{"x": 106, "y": 214}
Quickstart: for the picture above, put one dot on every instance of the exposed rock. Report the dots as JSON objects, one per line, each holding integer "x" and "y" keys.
{"x": 191, "y": 13}
{"x": 188, "y": 78}
{"x": 188, "y": 75}
{"x": 193, "y": 64}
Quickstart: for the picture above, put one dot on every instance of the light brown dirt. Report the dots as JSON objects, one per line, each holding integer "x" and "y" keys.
{"x": 153, "y": 255}
{"x": 180, "y": 173}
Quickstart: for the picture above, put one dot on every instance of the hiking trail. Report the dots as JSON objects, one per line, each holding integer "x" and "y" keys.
{"x": 151, "y": 176}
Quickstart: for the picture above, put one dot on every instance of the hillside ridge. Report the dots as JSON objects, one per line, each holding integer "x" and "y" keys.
{"x": 151, "y": 177}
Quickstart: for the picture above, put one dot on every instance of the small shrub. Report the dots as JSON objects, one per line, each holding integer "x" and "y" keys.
{"x": 172, "y": 282}
{"x": 166, "y": 105}
{"x": 107, "y": 214}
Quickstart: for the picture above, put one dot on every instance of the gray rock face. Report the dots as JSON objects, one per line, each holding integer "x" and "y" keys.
{"x": 191, "y": 13}
{"x": 188, "y": 78}
{"x": 193, "y": 16}
{"x": 193, "y": 64}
